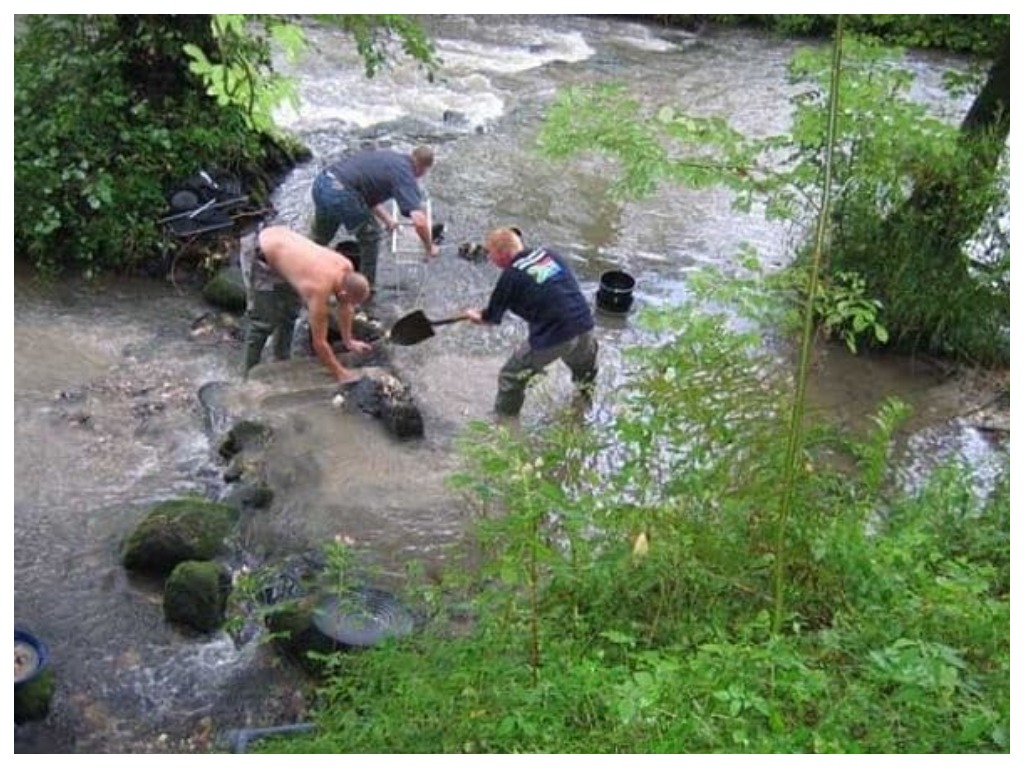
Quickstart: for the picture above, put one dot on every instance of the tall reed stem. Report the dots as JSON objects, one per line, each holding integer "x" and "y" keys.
{"x": 794, "y": 439}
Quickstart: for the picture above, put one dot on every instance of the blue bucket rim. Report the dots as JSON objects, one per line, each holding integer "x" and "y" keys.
{"x": 42, "y": 652}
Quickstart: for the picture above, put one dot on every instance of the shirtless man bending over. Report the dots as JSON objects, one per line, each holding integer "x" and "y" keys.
{"x": 287, "y": 268}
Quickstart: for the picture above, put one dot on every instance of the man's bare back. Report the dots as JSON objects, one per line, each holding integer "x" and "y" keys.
{"x": 312, "y": 270}
{"x": 317, "y": 273}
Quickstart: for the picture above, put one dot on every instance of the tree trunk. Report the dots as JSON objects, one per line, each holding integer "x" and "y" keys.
{"x": 947, "y": 209}
{"x": 991, "y": 108}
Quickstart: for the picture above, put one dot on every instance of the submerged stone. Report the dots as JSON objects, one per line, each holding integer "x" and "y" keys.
{"x": 226, "y": 289}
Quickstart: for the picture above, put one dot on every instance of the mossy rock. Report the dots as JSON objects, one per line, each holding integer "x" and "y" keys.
{"x": 32, "y": 698}
{"x": 226, "y": 289}
{"x": 178, "y": 530}
{"x": 244, "y": 435}
{"x": 196, "y": 595}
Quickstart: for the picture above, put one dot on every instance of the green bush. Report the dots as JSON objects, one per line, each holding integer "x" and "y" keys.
{"x": 587, "y": 637}
{"x": 95, "y": 158}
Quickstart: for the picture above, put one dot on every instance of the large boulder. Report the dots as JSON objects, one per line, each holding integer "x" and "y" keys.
{"x": 196, "y": 595}
{"x": 177, "y": 530}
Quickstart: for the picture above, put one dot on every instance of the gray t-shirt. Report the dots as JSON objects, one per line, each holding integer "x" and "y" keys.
{"x": 379, "y": 175}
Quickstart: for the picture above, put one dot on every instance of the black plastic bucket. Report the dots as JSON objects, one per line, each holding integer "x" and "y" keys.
{"x": 615, "y": 295}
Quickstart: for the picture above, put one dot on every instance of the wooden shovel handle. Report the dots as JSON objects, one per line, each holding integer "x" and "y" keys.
{"x": 448, "y": 320}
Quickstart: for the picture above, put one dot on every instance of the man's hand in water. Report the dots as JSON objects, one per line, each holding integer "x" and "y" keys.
{"x": 358, "y": 346}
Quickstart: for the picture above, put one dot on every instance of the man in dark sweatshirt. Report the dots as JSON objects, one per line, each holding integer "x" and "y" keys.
{"x": 537, "y": 285}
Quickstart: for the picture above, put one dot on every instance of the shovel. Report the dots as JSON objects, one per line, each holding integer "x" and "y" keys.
{"x": 416, "y": 327}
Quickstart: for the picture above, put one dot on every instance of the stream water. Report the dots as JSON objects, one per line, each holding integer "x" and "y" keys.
{"x": 106, "y": 418}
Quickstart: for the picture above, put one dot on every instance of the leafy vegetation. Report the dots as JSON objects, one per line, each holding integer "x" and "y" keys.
{"x": 110, "y": 112}
{"x": 626, "y": 595}
{"x": 92, "y": 165}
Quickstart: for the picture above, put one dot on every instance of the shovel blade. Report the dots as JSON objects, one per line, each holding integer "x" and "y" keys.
{"x": 411, "y": 329}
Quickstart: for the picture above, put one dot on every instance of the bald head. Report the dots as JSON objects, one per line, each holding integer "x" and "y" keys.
{"x": 502, "y": 244}
{"x": 355, "y": 289}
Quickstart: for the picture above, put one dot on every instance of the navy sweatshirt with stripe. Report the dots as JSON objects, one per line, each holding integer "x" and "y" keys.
{"x": 539, "y": 287}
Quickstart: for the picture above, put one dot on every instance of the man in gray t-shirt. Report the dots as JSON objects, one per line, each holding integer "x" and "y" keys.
{"x": 352, "y": 191}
